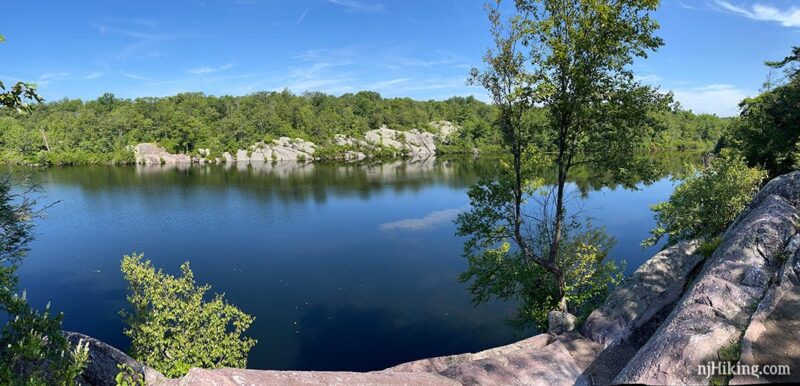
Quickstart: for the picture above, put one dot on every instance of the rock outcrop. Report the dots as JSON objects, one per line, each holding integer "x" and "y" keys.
{"x": 281, "y": 149}
{"x": 152, "y": 154}
{"x": 413, "y": 143}
{"x": 778, "y": 316}
{"x": 444, "y": 128}
{"x": 715, "y": 312}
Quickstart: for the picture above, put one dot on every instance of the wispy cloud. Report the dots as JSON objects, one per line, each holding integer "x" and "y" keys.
{"x": 204, "y": 70}
{"x": 428, "y": 221}
{"x": 316, "y": 77}
{"x": 359, "y": 5}
{"x": 687, "y": 6}
{"x": 786, "y": 17}
{"x": 50, "y": 77}
{"x": 302, "y": 16}
{"x": 93, "y": 75}
{"x": 440, "y": 58}
{"x": 651, "y": 79}
{"x": 135, "y": 76}
{"x": 720, "y": 99}
{"x": 105, "y": 29}
{"x": 382, "y": 85}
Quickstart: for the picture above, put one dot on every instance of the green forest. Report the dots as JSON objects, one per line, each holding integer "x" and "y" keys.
{"x": 101, "y": 131}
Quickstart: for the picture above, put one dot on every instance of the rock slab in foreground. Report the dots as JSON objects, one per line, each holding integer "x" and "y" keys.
{"x": 772, "y": 337}
{"x": 239, "y": 377}
{"x": 716, "y": 311}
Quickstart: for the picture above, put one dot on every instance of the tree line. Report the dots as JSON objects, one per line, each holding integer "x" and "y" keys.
{"x": 72, "y": 131}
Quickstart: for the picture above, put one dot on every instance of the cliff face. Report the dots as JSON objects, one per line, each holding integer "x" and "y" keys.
{"x": 413, "y": 143}
{"x": 676, "y": 313}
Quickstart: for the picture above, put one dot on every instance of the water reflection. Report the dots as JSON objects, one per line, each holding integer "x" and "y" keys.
{"x": 345, "y": 267}
{"x": 298, "y": 181}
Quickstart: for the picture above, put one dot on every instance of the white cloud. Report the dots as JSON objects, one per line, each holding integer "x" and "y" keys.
{"x": 359, "y": 5}
{"x": 720, "y": 99}
{"x": 205, "y": 70}
{"x": 416, "y": 224}
{"x": 93, "y": 75}
{"x": 787, "y": 18}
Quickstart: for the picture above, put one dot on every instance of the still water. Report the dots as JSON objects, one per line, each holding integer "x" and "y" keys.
{"x": 345, "y": 267}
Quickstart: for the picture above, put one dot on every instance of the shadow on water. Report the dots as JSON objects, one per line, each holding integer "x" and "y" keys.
{"x": 384, "y": 338}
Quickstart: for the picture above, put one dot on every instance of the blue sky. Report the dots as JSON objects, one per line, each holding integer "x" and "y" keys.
{"x": 421, "y": 49}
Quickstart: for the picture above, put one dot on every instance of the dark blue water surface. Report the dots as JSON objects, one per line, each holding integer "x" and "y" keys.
{"x": 345, "y": 267}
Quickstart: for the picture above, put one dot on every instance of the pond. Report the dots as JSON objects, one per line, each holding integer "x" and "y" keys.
{"x": 345, "y": 267}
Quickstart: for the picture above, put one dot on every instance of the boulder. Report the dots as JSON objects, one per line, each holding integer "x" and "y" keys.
{"x": 227, "y": 158}
{"x": 241, "y": 156}
{"x": 653, "y": 286}
{"x": 152, "y": 154}
{"x": 344, "y": 140}
{"x": 103, "y": 360}
{"x": 559, "y": 322}
{"x": 444, "y": 128}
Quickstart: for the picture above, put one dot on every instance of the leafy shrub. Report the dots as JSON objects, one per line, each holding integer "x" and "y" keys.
{"x": 707, "y": 201}
{"x": 35, "y": 350}
{"x": 127, "y": 376}
{"x": 172, "y": 328}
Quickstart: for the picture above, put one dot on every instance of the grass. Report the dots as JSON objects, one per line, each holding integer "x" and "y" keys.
{"x": 707, "y": 247}
{"x": 781, "y": 256}
{"x": 730, "y": 353}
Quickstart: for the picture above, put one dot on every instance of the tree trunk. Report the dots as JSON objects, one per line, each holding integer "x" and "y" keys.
{"x": 558, "y": 231}
{"x": 44, "y": 137}
{"x": 562, "y": 296}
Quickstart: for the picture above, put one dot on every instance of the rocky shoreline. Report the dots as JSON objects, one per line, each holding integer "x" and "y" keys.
{"x": 412, "y": 143}
{"x": 678, "y": 312}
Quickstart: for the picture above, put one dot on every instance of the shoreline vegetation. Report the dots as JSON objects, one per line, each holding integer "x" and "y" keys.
{"x": 347, "y": 127}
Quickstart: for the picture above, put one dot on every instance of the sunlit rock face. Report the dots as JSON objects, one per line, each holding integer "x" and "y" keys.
{"x": 410, "y": 143}
{"x": 720, "y": 305}
{"x": 152, "y": 154}
{"x": 653, "y": 286}
{"x": 413, "y": 142}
